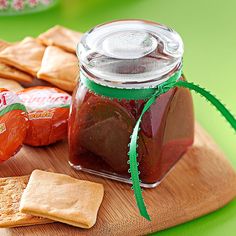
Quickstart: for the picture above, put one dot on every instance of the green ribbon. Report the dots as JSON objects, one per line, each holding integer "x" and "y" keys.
{"x": 128, "y": 94}
{"x": 151, "y": 94}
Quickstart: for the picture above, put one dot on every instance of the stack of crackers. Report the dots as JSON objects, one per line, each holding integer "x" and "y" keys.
{"x": 50, "y": 57}
{"x": 46, "y": 197}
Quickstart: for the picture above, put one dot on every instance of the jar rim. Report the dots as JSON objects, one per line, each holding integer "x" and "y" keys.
{"x": 130, "y": 53}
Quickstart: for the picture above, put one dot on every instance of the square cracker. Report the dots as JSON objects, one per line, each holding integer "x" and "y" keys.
{"x": 61, "y": 37}
{"x": 11, "y": 189}
{"x": 25, "y": 55}
{"x": 62, "y": 198}
{"x": 10, "y": 72}
{"x": 60, "y": 68}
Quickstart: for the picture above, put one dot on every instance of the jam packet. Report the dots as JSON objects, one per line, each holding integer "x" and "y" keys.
{"x": 48, "y": 111}
{"x": 13, "y": 124}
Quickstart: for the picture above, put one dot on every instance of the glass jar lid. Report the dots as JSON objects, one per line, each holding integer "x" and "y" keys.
{"x": 130, "y": 53}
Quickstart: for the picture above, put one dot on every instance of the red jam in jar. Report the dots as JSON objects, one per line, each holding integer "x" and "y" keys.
{"x": 129, "y": 54}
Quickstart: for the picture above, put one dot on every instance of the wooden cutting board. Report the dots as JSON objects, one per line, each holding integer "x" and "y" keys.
{"x": 201, "y": 182}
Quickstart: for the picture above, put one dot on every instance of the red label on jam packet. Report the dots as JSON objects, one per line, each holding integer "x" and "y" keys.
{"x": 2, "y": 128}
{"x": 40, "y": 115}
{"x": 3, "y": 100}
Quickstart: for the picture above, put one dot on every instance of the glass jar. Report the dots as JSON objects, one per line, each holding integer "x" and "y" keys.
{"x": 129, "y": 54}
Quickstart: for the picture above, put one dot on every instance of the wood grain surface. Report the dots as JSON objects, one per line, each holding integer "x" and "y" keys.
{"x": 201, "y": 182}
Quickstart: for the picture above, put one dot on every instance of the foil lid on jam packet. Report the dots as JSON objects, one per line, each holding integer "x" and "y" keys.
{"x": 48, "y": 111}
{"x": 13, "y": 124}
{"x": 44, "y": 98}
{"x": 9, "y": 101}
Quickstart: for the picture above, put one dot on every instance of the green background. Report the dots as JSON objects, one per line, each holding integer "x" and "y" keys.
{"x": 209, "y": 33}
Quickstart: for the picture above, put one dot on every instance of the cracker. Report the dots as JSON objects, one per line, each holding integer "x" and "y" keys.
{"x": 10, "y": 72}
{"x": 10, "y": 85}
{"x": 60, "y": 68}
{"x": 11, "y": 189}
{"x": 62, "y": 198}
{"x": 25, "y": 55}
{"x": 61, "y": 37}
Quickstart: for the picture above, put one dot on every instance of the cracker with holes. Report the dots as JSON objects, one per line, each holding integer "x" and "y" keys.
{"x": 11, "y": 189}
